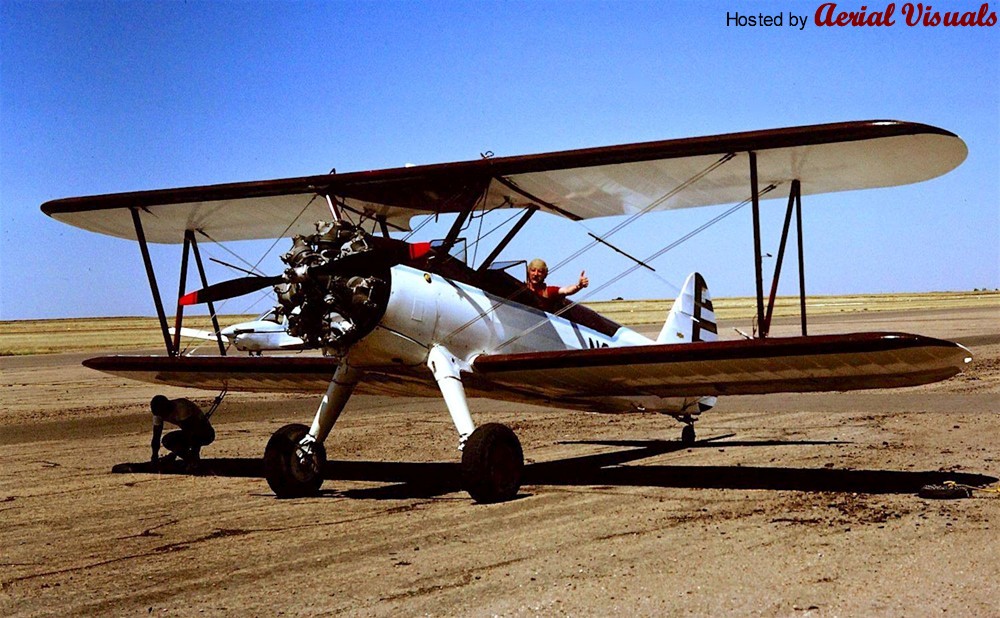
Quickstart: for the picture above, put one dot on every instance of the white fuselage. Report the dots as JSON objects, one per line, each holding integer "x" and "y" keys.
{"x": 426, "y": 309}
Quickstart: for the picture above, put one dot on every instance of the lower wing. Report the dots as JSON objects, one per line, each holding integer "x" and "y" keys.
{"x": 743, "y": 367}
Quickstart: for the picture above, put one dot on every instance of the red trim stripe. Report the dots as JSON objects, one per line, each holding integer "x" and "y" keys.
{"x": 419, "y": 249}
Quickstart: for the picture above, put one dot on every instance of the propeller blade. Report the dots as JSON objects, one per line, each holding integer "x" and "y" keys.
{"x": 386, "y": 252}
{"x": 229, "y": 289}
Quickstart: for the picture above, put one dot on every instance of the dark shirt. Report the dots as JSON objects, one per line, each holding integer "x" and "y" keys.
{"x": 183, "y": 413}
{"x": 189, "y": 417}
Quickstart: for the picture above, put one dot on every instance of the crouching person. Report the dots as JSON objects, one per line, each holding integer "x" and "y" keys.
{"x": 195, "y": 431}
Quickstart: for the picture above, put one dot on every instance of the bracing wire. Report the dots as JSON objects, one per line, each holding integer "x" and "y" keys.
{"x": 635, "y": 267}
{"x": 433, "y": 216}
{"x": 468, "y": 223}
{"x": 253, "y": 267}
{"x": 479, "y": 236}
{"x": 652, "y": 205}
{"x": 631, "y": 219}
{"x": 475, "y": 243}
{"x": 285, "y": 231}
{"x": 239, "y": 257}
{"x": 426, "y": 220}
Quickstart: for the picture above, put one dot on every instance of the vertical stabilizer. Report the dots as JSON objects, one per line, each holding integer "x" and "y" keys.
{"x": 691, "y": 317}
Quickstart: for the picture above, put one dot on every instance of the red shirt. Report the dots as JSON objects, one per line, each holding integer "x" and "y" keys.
{"x": 549, "y": 298}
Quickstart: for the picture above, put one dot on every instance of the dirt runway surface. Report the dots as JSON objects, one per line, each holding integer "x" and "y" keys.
{"x": 787, "y": 504}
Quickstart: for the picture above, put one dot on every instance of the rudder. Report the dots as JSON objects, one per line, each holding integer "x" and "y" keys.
{"x": 692, "y": 317}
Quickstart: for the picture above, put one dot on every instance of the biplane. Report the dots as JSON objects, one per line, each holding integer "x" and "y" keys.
{"x": 416, "y": 319}
{"x": 268, "y": 332}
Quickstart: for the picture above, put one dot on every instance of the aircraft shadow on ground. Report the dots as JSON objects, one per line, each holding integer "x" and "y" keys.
{"x": 423, "y": 480}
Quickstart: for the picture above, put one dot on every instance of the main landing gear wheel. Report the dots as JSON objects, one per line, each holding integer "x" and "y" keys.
{"x": 289, "y": 472}
{"x": 492, "y": 463}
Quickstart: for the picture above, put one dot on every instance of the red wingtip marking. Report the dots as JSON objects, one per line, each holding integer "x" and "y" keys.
{"x": 188, "y": 299}
{"x": 419, "y": 249}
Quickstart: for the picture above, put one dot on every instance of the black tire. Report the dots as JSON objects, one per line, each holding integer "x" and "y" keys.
{"x": 286, "y": 475}
{"x": 492, "y": 464}
{"x": 687, "y": 435}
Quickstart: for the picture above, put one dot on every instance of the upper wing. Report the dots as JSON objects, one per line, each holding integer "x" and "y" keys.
{"x": 578, "y": 184}
{"x": 742, "y": 367}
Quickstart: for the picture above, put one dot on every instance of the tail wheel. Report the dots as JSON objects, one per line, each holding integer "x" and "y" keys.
{"x": 290, "y": 472}
{"x": 492, "y": 464}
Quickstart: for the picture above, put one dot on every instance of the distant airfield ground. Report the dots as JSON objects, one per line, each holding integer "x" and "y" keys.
{"x": 21, "y": 337}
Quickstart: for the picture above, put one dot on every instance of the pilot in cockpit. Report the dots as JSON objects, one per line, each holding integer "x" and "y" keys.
{"x": 552, "y": 297}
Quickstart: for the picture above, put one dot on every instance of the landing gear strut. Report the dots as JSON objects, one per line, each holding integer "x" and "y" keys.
{"x": 492, "y": 459}
{"x": 295, "y": 456}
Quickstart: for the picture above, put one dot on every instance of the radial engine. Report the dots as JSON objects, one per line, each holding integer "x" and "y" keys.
{"x": 336, "y": 285}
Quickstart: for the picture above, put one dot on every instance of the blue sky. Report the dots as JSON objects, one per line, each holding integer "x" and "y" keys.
{"x": 99, "y": 97}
